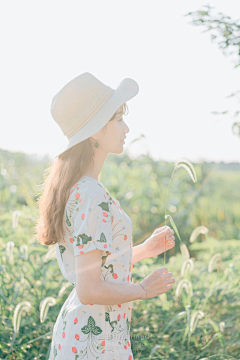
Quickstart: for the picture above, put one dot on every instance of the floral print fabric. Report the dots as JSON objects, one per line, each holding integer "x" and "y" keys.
{"x": 93, "y": 219}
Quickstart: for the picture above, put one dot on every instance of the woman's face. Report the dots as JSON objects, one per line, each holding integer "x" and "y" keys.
{"x": 111, "y": 137}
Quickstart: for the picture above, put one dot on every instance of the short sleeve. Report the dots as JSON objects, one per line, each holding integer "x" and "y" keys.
{"x": 92, "y": 219}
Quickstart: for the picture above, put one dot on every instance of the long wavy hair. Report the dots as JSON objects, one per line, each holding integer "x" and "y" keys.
{"x": 59, "y": 178}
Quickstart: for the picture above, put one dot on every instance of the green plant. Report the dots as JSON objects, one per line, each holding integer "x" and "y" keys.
{"x": 191, "y": 171}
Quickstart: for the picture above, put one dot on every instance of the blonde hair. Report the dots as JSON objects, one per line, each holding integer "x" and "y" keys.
{"x": 59, "y": 178}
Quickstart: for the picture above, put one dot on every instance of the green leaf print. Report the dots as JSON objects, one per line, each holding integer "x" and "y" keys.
{"x": 54, "y": 352}
{"x": 128, "y": 325}
{"x": 62, "y": 249}
{"x": 107, "y": 318}
{"x": 91, "y": 327}
{"x": 111, "y": 268}
{"x": 104, "y": 206}
{"x": 65, "y": 324}
{"x": 84, "y": 237}
{"x": 102, "y": 238}
{"x": 67, "y": 220}
{"x": 64, "y": 313}
{"x": 104, "y": 258}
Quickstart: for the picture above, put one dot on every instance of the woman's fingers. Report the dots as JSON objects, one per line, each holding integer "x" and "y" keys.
{"x": 170, "y": 237}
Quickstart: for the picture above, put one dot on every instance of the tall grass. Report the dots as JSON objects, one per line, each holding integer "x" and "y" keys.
{"x": 191, "y": 171}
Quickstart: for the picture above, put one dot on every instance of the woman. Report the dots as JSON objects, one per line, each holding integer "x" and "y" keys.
{"x": 92, "y": 233}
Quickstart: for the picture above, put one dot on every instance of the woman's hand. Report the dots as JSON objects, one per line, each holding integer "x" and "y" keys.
{"x": 155, "y": 245}
{"x": 157, "y": 283}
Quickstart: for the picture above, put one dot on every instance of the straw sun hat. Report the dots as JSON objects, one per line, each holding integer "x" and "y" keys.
{"x": 85, "y": 105}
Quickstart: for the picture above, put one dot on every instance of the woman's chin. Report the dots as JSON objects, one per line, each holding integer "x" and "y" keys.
{"x": 120, "y": 150}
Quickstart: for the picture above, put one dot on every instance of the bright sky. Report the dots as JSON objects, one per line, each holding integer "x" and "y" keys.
{"x": 182, "y": 76}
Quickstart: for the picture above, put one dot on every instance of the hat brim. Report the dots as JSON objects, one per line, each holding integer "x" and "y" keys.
{"x": 126, "y": 90}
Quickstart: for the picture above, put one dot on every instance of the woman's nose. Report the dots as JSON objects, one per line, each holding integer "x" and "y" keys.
{"x": 127, "y": 129}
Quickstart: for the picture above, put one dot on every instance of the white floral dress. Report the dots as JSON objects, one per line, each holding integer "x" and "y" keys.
{"x": 93, "y": 219}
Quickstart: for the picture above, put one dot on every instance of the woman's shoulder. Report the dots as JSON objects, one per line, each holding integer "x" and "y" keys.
{"x": 87, "y": 186}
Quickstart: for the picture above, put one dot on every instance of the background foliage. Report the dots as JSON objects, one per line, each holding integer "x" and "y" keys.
{"x": 197, "y": 319}
{"x": 226, "y": 33}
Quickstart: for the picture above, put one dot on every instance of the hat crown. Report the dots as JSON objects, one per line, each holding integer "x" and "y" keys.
{"x": 78, "y": 101}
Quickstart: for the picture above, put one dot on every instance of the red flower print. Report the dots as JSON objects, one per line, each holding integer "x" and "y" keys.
{"x": 74, "y": 350}
{"x": 103, "y": 220}
{"x": 125, "y": 346}
{"x": 103, "y": 351}
{"x": 80, "y": 246}
{"x": 127, "y": 278}
{"x": 59, "y": 346}
{"x": 71, "y": 240}
{"x": 68, "y": 229}
{"x": 109, "y": 253}
{"x": 75, "y": 320}
{"x": 83, "y": 216}
{"x": 105, "y": 246}
{"x": 77, "y": 337}
{"x": 130, "y": 269}
{"x": 119, "y": 305}
{"x": 129, "y": 308}
{"x": 130, "y": 357}
{"x": 90, "y": 304}
{"x": 124, "y": 315}
{"x": 75, "y": 185}
{"x": 77, "y": 196}
{"x": 125, "y": 237}
{"x": 115, "y": 276}
{"x": 105, "y": 214}
{"x": 72, "y": 191}
{"x": 81, "y": 252}
{"x": 63, "y": 335}
{"x": 103, "y": 343}
{"x": 129, "y": 343}
{"x": 119, "y": 317}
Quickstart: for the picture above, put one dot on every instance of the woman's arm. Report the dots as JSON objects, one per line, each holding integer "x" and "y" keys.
{"x": 107, "y": 293}
{"x": 139, "y": 253}
{"x": 92, "y": 290}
